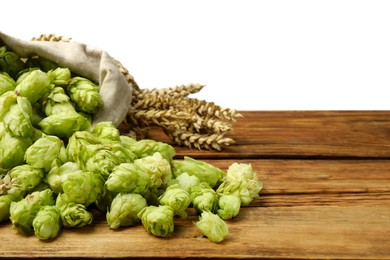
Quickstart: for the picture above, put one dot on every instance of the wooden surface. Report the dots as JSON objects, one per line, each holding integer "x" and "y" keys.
{"x": 326, "y": 195}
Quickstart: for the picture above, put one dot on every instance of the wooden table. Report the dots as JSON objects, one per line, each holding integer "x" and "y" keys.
{"x": 326, "y": 195}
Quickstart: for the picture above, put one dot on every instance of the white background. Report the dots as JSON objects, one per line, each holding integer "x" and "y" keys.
{"x": 251, "y": 55}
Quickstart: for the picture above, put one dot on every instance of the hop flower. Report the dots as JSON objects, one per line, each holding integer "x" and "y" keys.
{"x": 212, "y": 226}
{"x": 23, "y": 212}
{"x": 124, "y": 210}
{"x": 204, "y": 171}
{"x": 85, "y": 94}
{"x": 177, "y": 198}
{"x": 34, "y": 86}
{"x": 6, "y": 83}
{"x": 157, "y": 220}
{"x": 242, "y": 182}
{"x": 47, "y": 222}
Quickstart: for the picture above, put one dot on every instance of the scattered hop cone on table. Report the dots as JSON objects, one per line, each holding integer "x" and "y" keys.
{"x": 73, "y": 215}
{"x": 204, "y": 198}
{"x": 242, "y": 182}
{"x": 124, "y": 210}
{"x": 212, "y": 226}
{"x": 204, "y": 171}
{"x": 228, "y": 206}
{"x": 47, "y": 222}
{"x": 157, "y": 220}
{"x": 177, "y": 198}
{"x": 23, "y": 212}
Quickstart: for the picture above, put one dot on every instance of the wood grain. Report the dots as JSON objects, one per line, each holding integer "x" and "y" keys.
{"x": 326, "y": 195}
{"x": 261, "y": 232}
{"x": 303, "y": 134}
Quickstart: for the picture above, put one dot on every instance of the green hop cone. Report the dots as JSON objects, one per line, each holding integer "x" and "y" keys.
{"x": 121, "y": 152}
{"x": 44, "y": 151}
{"x": 82, "y": 188}
{"x": 34, "y": 86}
{"x": 59, "y": 76}
{"x": 7, "y": 99}
{"x": 187, "y": 181}
{"x": 12, "y": 150}
{"x": 5, "y": 204}
{"x": 158, "y": 169}
{"x": 128, "y": 178}
{"x": 6, "y": 83}
{"x": 147, "y": 147}
{"x": 98, "y": 158}
{"x": 47, "y": 222}
{"x": 64, "y": 124}
{"x": 124, "y": 210}
{"x": 24, "y": 179}
{"x": 212, "y": 226}
{"x": 127, "y": 141}
{"x": 56, "y": 102}
{"x": 241, "y": 181}
{"x": 59, "y": 173}
{"x": 157, "y": 220}
{"x": 23, "y": 212}
{"x": 73, "y": 215}
{"x": 177, "y": 198}
{"x": 10, "y": 62}
{"x": 77, "y": 141}
{"x": 85, "y": 94}
{"x": 204, "y": 171}
{"x": 106, "y": 131}
{"x": 204, "y": 198}
{"x": 18, "y": 119}
{"x": 229, "y": 206}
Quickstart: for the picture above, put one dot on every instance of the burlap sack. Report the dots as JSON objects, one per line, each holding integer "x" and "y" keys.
{"x": 87, "y": 61}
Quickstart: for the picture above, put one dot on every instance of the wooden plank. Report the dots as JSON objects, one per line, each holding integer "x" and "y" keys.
{"x": 356, "y": 232}
{"x": 307, "y": 209}
{"x": 300, "y": 134}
